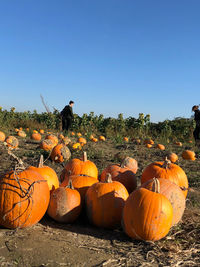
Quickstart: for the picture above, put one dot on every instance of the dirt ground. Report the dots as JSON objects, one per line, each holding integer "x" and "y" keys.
{"x": 49, "y": 243}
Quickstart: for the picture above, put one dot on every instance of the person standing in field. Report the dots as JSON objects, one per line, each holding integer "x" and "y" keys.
{"x": 196, "y": 132}
{"x": 67, "y": 116}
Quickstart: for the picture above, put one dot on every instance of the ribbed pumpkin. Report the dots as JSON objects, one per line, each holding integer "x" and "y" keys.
{"x": 24, "y": 198}
{"x": 105, "y": 202}
{"x": 47, "y": 173}
{"x": 80, "y": 182}
{"x": 65, "y": 204}
{"x": 188, "y": 155}
{"x": 122, "y": 174}
{"x": 147, "y": 215}
{"x": 173, "y": 193}
{"x": 12, "y": 141}
{"x": 81, "y": 166}
{"x": 2, "y": 136}
{"x": 60, "y": 153}
{"x": 166, "y": 169}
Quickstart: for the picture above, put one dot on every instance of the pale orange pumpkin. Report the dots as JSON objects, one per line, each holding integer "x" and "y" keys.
{"x": 2, "y": 136}
{"x": 188, "y": 155}
{"x": 12, "y": 142}
{"x": 60, "y": 153}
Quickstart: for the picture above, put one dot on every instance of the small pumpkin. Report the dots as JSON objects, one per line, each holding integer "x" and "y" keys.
{"x": 53, "y": 138}
{"x": 2, "y": 136}
{"x": 160, "y": 146}
{"x": 147, "y": 215}
{"x": 21, "y": 133}
{"x": 12, "y": 142}
{"x": 82, "y": 141}
{"x": 36, "y": 136}
{"x": 41, "y": 131}
{"x": 188, "y": 155}
{"x": 47, "y": 144}
{"x": 60, "y": 153}
{"x": 126, "y": 139}
{"x": 65, "y": 204}
{"x": 105, "y": 202}
{"x": 149, "y": 141}
{"x": 148, "y": 145}
{"x": 173, "y": 157}
{"x": 102, "y": 138}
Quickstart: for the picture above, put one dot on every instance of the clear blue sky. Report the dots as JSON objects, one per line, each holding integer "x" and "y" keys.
{"x": 109, "y": 56}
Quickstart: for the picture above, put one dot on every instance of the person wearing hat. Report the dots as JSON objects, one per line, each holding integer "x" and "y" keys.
{"x": 67, "y": 116}
{"x": 196, "y": 132}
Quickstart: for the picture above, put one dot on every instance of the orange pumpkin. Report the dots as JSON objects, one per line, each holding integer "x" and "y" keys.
{"x": 126, "y": 139}
{"x": 105, "y": 202}
{"x": 82, "y": 141}
{"x": 149, "y": 141}
{"x": 21, "y": 133}
{"x": 147, "y": 215}
{"x": 121, "y": 173}
{"x": 2, "y": 136}
{"x": 65, "y": 204}
{"x": 36, "y": 136}
{"x": 80, "y": 182}
{"x": 178, "y": 143}
{"x": 160, "y": 146}
{"x": 60, "y": 153}
{"x": 102, "y": 138}
{"x": 148, "y": 145}
{"x": 12, "y": 141}
{"x": 47, "y": 173}
{"x": 41, "y": 131}
{"x": 81, "y": 166}
{"x": 173, "y": 157}
{"x": 24, "y": 198}
{"x": 188, "y": 155}
{"x": 173, "y": 193}
{"x": 167, "y": 170}
{"x": 94, "y": 139}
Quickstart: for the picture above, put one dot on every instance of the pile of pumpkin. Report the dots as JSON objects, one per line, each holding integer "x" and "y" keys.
{"x": 110, "y": 200}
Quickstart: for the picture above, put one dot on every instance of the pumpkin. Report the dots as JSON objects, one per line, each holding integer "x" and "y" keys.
{"x": 2, "y": 136}
{"x": 21, "y": 133}
{"x": 173, "y": 193}
{"x": 178, "y": 143}
{"x": 47, "y": 144}
{"x": 173, "y": 157}
{"x": 102, "y": 138}
{"x": 148, "y": 145}
{"x": 35, "y": 131}
{"x": 41, "y": 131}
{"x": 147, "y": 215}
{"x": 167, "y": 170}
{"x": 36, "y": 136}
{"x": 94, "y": 139}
{"x": 149, "y": 141}
{"x": 188, "y": 155}
{"x": 53, "y": 138}
{"x": 66, "y": 140}
{"x": 82, "y": 141}
{"x": 12, "y": 141}
{"x": 121, "y": 173}
{"x": 80, "y": 182}
{"x": 65, "y": 204}
{"x": 160, "y": 146}
{"x": 76, "y": 146}
{"x": 60, "y": 153}
{"x": 126, "y": 139}
{"x": 79, "y": 134}
{"x": 105, "y": 202}
{"x": 24, "y": 198}
{"x": 47, "y": 173}
{"x": 72, "y": 133}
{"x": 81, "y": 166}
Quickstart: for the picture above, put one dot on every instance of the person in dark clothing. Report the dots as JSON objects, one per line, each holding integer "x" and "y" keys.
{"x": 67, "y": 116}
{"x": 196, "y": 132}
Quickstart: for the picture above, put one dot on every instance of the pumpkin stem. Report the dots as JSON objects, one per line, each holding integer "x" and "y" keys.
{"x": 156, "y": 185}
{"x": 108, "y": 178}
{"x": 125, "y": 162}
{"x": 70, "y": 185}
{"x": 166, "y": 163}
{"x": 84, "y": 156}
{"x": 20, "y": 162}
{"x": 41, "y": 162}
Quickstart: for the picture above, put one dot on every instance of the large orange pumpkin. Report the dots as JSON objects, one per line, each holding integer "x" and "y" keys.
{"x": 105, "y": 202}
{"x": 65, "y": 204}
{"x": 147, "y": 215}
{"x": 122, "y": 174}
{"x": 81, "y": 166}
{"x": 47, "y": 173}
{"x": 24, "y": 198}
{"x": 173, "y": 193}
{"x": 167, "y": 170}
